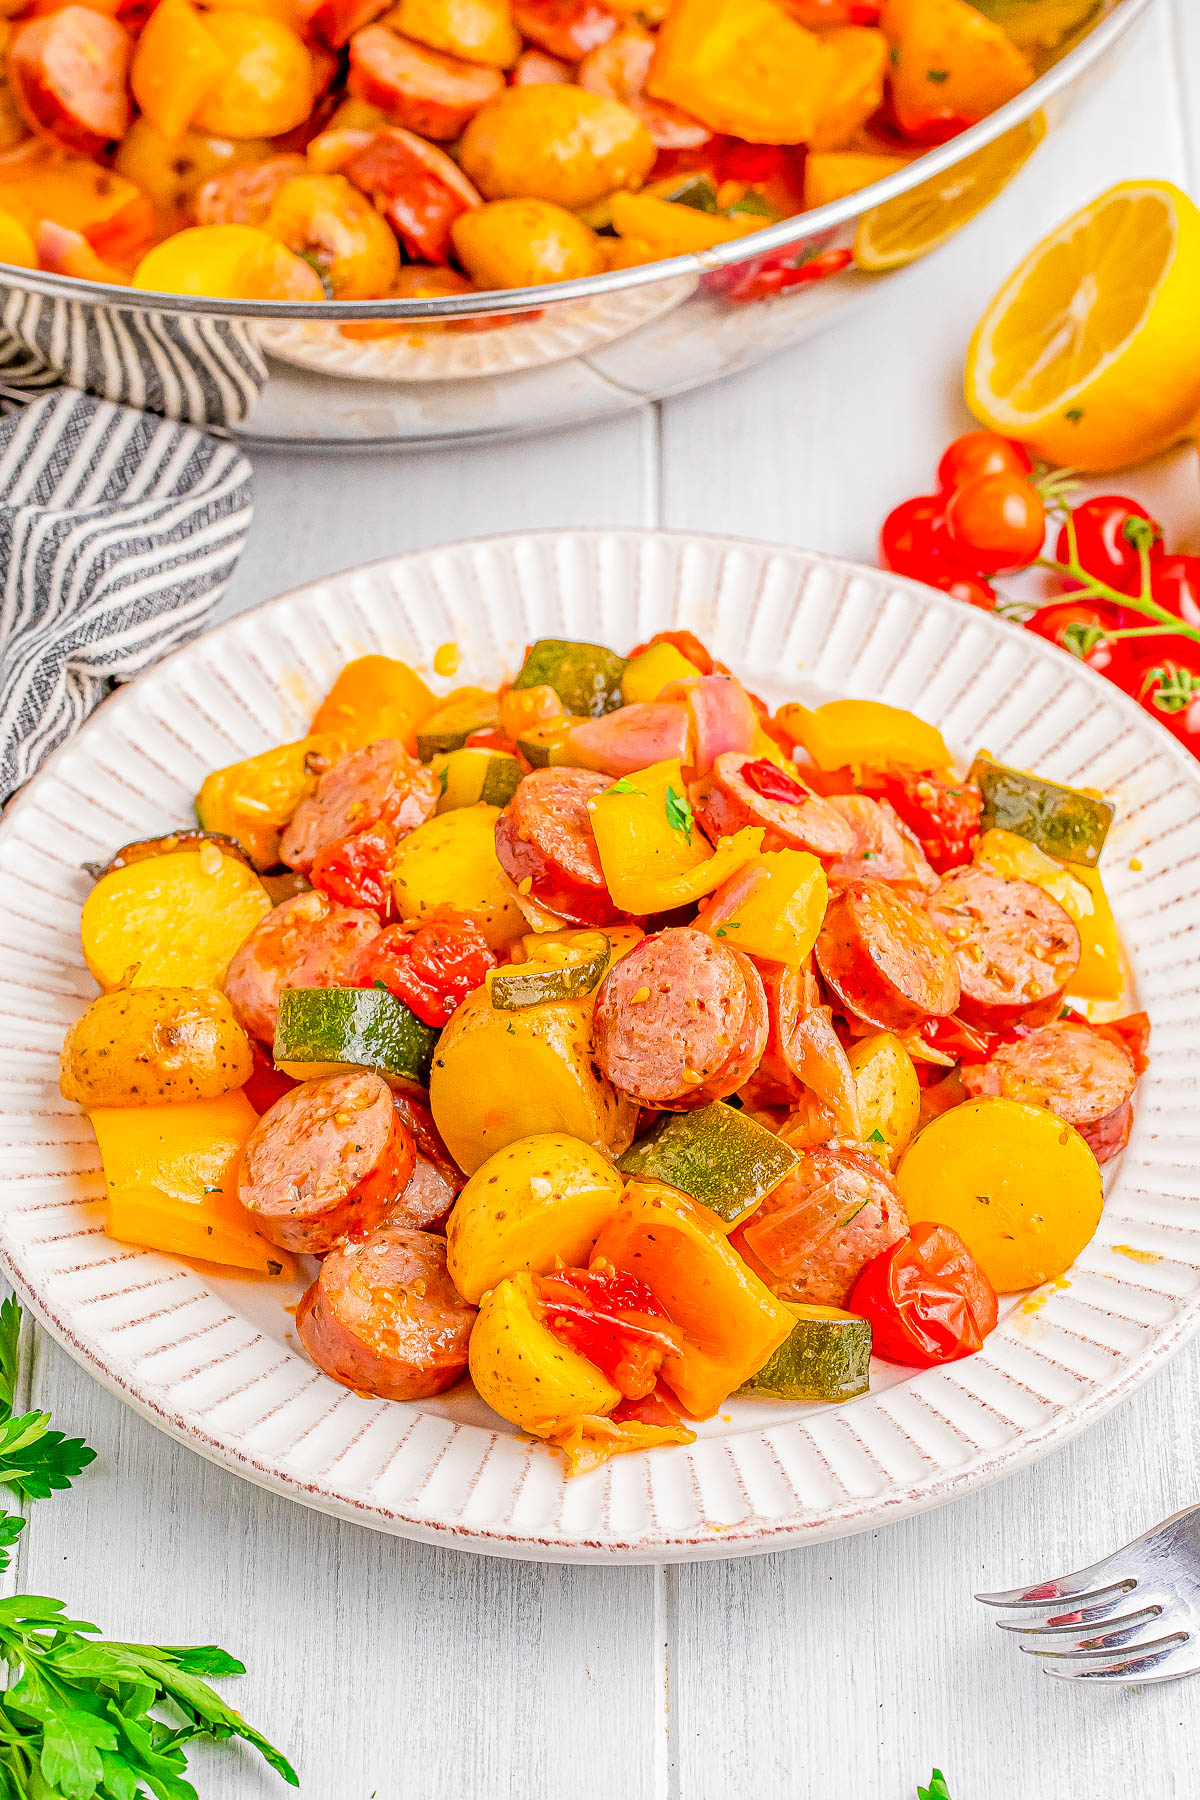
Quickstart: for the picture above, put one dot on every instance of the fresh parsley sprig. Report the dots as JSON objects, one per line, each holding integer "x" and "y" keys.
{"x": 34, "y": 1460}
{"x": 937, "y": 1789}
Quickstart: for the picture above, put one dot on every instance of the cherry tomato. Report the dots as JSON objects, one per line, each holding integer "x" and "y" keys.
{"x": 1073, "y": 626}
{"x": 998, "y": 522}
{"x": 916, "y": 541}
{"x": 354, "y": 870}
{"x": 612, "y": 1319}
{"x": 1175, "y": 584}
{"x": 1170, "y": 693}
{"x": 981, "y": 453}
{"x": 773, "y": 783}
{"x": 657, "y": 1408}
{"x": 267, "y": 1084}
{"x": 432, "y": 966}
{"x": 1107, "y": 532}
{"x": 771, "y": 274}
{"x": 687, "y": 644}
{"x": 972, "y": 590}
{"x": 1132, "y": 1032}
{"x": 942, "y": 816}
{"x": 926, "y": 1298}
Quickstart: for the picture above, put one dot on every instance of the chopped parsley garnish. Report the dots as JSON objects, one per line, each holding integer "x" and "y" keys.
{"x": 679, "y": 814}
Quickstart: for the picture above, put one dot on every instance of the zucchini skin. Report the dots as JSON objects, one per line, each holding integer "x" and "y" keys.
{"x": 715, "y": 1155}
{"x": 586, "y": 677}
{"x": 366, "y": 1028}
{"x": 513, "y": 988}
{"x": 1063, "y": 821}
{"x": 826, "y": 1358}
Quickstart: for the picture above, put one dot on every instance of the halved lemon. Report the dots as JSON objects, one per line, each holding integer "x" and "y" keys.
{"x": 912, "y": 225}
{"x": 1090, "y": 352}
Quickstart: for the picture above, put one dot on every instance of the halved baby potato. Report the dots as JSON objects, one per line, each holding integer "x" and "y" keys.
{"x": 171, "y": 921}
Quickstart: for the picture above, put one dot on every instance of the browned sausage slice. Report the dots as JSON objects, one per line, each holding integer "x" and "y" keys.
{"x": 383, "y": 1316}
{"x": 329, "y": 1157}
{"x": 566, "y": 28}
{"x": 680, "y": 1021}
{"x": 884, "y": 848}
{"x": 380, "y": 781}
{"x": 307, "y": 942}
{"x": 1083, "y": 1076}
{"x": 69, "y": 76}
{"x": 812, "y": 1237}
{"x": 243, "y": 196}
{"x": 425, "y": 91}
{"x": 436, "y": 1180}
{"x": 1015, "y": 947}
{"x": 544, "y": 837}
{"x": 885, "y": 959}
{"x": 740, "y": 790}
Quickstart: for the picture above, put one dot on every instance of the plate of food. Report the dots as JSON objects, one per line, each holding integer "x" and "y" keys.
{"x": 607, "y": 1045}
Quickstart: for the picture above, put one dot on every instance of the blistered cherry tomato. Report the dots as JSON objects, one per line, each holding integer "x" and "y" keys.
{"x": 981, "y": 453}
{"x": 926, "y": 1298}
{"x": 942, "y": 816}
{"x": 612, "y": 1319}
{"x": 972, "y": 590}
{"x": 354, "y": 870}
{"x": 1108, "y": 530}
{"x": 267, "y": 1084}
{"x": 1175, "y": 584}
{"x": 432, "y": 967}
{"x": 916, "y": 541}
{"x": 1170, "y": 692}
{"x": 997, "y": 522}
{"x": 1073, "y": 625}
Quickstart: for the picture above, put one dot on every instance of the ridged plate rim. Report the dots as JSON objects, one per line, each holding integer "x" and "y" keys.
{"x": 1058, "y": 1362}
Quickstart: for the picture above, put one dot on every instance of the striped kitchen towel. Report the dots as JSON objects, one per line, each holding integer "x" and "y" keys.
{"x": 118, "y": 533}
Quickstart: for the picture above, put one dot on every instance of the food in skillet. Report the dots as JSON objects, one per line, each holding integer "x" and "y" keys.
{"x": 356, "y": 149}
{"x": 612, "y": 1039}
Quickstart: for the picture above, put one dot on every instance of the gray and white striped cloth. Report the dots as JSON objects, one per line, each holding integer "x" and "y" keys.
{"x": 118, "y": 533}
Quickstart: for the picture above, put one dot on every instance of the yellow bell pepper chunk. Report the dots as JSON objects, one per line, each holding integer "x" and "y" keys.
{"x": 375, "y": 697}
{"x": 669, "y": 229}
{"x": 864, "y": 734}
{"x": 1080, "y": 893}
{"x": 171, "y": 1173}
{"x": 949, "y": 62}
{"x": 175, "y": 67}
{"x": 778, "y": 903}
{"x": 731, "y": 1320}
{"x": 645, "y": 676}
{"x": 524, "y": 1372}
{"x": 830, "y": 175}
{"x": 857, "y": 90}
{"x": 744, "y": 67}
{"x": 253, "y": 800}
{"x": 654, "y": 855}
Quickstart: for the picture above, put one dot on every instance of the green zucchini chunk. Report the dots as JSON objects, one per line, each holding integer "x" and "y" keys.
{"x": 540, "y": 743}
{"x": 448, "y": 727}
{"x": 825, "y": 1357}
{"x": 517, "y": 987}
{"x": 586, "y": 677}
{"x": 717, "y": 1155}
{"x": 1063, "y": 821}
{"x": 355, "y": 1028}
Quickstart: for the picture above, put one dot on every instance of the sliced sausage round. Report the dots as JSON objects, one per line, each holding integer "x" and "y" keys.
{"x": 680, "y": 1021}
{"x": 244, "y": 195}
{"x": 379, "y": 782}
{"x": 329, "y": 1157}
{"x": 544, "y": 837}
{"x": 425, "y": 91}
{"x": 813, "y": 1236}
{"x": 1085, "y": 1077}
{"x": 1015, "y": 947}
{"x": 885, "y": 959}
{"x": 565, "y": 28}
{"x": 383, "y": 1316}
{"x": 741, "y": 790}
{"x": 436, "y": 1181}
{"x": 884, "y": 848}
{"x": 69, "y": 77}
{"x": 309, "y": 941}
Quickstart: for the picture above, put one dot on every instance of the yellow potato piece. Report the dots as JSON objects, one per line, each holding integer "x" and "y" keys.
{"x": 889, "y": 1094}
{"x": 499, "y": 1076}
{"x": 154, "y": 1046}
{"x": 1020, "y": 1187}
{"x": 524, "y": 243}
{"x": 171, "y": 921}
{"x": 539, "y": 1199}
{"x": 451, "y": 861}
{"x": 525, "y": 1373}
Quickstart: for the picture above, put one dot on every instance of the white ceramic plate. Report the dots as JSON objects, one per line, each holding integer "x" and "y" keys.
{"x": 212, "y": 1358}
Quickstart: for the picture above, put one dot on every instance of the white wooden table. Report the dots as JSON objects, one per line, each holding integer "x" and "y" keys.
{"x": 840, "y": 1672}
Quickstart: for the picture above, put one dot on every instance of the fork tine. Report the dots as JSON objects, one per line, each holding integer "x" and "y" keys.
{"x": 1047, "y": 1594}
{"x": 1138, "y": 1665}
{"x": 1086, "y": 1630}
{"x": 1103, "y": 1646}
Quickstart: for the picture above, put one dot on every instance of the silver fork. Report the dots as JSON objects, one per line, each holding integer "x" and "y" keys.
{"x": 1134, "y": 1617}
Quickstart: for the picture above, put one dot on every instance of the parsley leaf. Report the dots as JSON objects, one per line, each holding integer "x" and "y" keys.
{"x": 78, "y": 1717}
{"x": 877, "y": 1137}
{"x": 624, "y": 786}
{"x": 34, "y": 1460}
{"x": 937, "y": 1789}
{"x": 679, "y": 814}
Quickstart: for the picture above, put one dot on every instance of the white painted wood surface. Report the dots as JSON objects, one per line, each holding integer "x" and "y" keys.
{"x": 842, "y": 1672}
